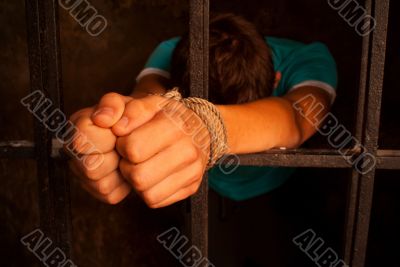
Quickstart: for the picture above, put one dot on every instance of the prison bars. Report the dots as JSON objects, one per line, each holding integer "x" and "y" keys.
{"x": 45, "y": 73}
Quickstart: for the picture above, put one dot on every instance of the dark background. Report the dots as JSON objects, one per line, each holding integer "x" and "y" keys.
{"x": 257, "y": 232}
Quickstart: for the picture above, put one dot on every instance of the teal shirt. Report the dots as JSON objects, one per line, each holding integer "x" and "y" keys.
{"x": 300, "y": 64}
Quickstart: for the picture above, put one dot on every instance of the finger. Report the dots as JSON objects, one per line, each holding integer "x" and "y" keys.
{"x": 139, "y": 111}
{"x": 149, "y": 173}
{"x": 178, "y": 196}
{"x": 149, "y": 139}
{"x": 116, "y": 196}
{"x": 96, "y": 166}
{"x": 89, "y": 138}
{"x": 83, "y": 112}
{"x": 109, "y": 110}
{"x": 107, "y": 184}
{"x": 173, "y": 184}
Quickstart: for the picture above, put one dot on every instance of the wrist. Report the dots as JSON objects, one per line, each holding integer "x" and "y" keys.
{"x": 226, "y": 111}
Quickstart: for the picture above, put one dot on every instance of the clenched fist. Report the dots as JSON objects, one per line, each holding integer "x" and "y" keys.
{"x": 98, "y": 170}
{"x": 164, "y": 149}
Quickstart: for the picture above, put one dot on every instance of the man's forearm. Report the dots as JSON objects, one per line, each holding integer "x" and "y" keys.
{"x": 274, "y": 122}
{"x": 260, "y": 125}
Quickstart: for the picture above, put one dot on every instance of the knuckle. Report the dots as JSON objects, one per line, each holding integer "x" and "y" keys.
{"x": 80, "y": 140}
{"x": 92, "y": 175}
{"x": 137, "y": 103}
{"x": 92, "y": 163}
{"x": 138, "y": 178}
{"x": 195, "y": 178}
{"x": 136, "y": 107}
{"x": 79, "y": 114}
{"x": 153, "y": 206}
{"x": 198, "y": 168}
{"x": 81, "y": 125}
{"x": 193, "y": 189}
{"x": 111, "y": 96}
{"x": 133, "y": 154}
{"x": 90, "y": 166}
{"x": 132, "y": 150}
{"x": 191, "y": 153}
{"x": 150, "y": 198}
{"x": 112, "y": 199}
{"x": 103, "y": 187}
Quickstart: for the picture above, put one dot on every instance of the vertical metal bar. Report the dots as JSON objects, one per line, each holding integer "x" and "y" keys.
{"x": 199, "y": 20}
{"x": 351, "y": 210}
{"x": 371, "y": 133}
{"x": 352, "y": 195}
{"x": 45, "y": 75}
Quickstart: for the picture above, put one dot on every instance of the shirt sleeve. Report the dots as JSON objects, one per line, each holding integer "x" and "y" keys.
{"x": 312, "y": 65}
{"x": 159, "y": 61}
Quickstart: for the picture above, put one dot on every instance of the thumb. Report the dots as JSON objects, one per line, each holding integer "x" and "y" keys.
{"x": 138, "y": 112}
{"x": 109, "y": 110}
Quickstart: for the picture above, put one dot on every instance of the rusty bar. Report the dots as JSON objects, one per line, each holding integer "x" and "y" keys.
{"x": 371, "y": 133}
{"x": 309, "y": 158}
{"x": 314, "y": 160}
{"x": 290, "y": 160}
{"x": 350, "y": 219}
{"x": 17, "y": 149}
{"x": 352, "y": 194}
{"x": 45, "y": 75}
{"x": 388, "y": 163}
{"x": 199, "y": 19}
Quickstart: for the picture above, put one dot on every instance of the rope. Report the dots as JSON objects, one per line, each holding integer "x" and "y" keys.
{"x": 212, "y": 119}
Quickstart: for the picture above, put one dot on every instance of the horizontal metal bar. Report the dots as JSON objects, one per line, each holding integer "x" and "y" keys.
{"x": 321, "y": 158}
{"x": 388, "y": 159}
{"x": 318, "y": 158}
{"x": 17, "y": 149}
{"x": 388, "y": 153}
{"x": 295, "y": 160}
{"x": 27, "y": 149}
{"x": 388, "y": 163}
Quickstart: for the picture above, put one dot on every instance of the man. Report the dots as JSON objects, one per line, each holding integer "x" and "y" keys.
{"x": 254, "y": 81}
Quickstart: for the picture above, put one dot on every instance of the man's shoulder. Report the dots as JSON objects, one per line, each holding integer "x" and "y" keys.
{"x": 283, "y": 42}
{"x": 288, "y": 46}
{"x": 284, "y": 50}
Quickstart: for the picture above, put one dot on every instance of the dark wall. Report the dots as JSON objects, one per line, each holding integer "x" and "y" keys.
{"x": 124, "y": 235}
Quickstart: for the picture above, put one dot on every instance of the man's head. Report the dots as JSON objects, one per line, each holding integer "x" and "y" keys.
{"x": 241, "y": 68}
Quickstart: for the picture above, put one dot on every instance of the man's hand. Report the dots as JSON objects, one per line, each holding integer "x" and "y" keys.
{"x": 165, "y": 149}
{"x": 98, "y": 168}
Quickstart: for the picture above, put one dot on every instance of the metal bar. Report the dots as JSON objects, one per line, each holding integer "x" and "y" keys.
{"x": 17, "y": 149}
{"x": 388, "y": 159}
{"x": 318, "y": 158}
{"x": 371, "y": 133}
{"x": 352, "y": 194}
{"x": 26, "y": 149}
{"x": 199, "y": 19}
{"x": 350, "y": 219}
{"x": 388, "y": 163}
{"x": 364, "y": 71}
{"x": 296, "y": 160}
{"x": 45, "y": 75}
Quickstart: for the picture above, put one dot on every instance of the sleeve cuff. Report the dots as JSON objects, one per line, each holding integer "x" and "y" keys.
{"x": 148, "y": 71}
{"x": 324, "y": 86}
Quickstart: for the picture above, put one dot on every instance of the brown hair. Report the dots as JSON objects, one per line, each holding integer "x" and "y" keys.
{"x": 241, "y": 68}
